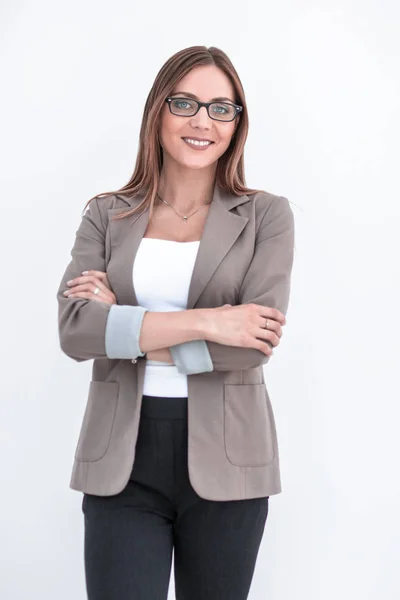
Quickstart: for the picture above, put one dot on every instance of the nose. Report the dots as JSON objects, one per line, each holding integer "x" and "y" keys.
{"x": 201, "y": 119}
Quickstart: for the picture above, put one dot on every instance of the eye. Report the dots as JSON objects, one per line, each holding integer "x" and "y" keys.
{"x": 182, "y": 104}
{"x": 222, "y": 109}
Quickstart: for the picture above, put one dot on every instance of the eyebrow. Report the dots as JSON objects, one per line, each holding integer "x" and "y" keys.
{"x": 218, "y": 99}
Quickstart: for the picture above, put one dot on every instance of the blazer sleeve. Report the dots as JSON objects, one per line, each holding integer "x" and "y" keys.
{"x": 267, "y": 282}
{"x": 192, "y": 357}
{"x": 89, "y": 329}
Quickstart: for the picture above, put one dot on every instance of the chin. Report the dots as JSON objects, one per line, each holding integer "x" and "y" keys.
{"x": 195, "y": 164}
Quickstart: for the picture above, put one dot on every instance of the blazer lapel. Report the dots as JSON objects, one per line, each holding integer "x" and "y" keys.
{"x": 221, "y": 230}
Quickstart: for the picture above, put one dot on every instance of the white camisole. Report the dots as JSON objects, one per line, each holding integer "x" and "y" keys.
{"x": 162, "y": 272}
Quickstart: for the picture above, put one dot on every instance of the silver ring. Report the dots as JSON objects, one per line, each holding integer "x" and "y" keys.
{"x": 96, "y": 290}
{"x": 266, "y": 324}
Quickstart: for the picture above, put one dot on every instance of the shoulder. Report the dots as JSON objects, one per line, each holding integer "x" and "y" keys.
{"x": 110, "y": 201}
{"x": 100, "y": 206}
{"x": 267, "y": 206}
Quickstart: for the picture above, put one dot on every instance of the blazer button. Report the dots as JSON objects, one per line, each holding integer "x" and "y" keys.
{"x": 134, "y": 360}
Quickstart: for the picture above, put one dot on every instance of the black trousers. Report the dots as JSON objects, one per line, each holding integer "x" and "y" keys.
{"x": 130, "y": 537}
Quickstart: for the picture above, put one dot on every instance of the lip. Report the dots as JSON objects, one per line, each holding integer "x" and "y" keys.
{"x": 198, "y": 148}
{"x": 193, "y": 137}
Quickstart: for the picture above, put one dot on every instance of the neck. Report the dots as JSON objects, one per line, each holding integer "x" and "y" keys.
{"x": 186, "y": 189}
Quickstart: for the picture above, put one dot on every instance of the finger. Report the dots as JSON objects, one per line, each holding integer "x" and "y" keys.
{"x": 269, "y": 337}
{"x": 272, "y": 325}
{"x": 272, "y": 313}
{"x": 272, "y": 334}
{"x": 100, "y": 274}
{"x": 89, "y": 296}
{"x": 277, "y": 316}
{"x": 87, "y": 282}
{"x": 265, "y": 347}
{"x": 89, "y": 288}
{"x": 97, "y": 277}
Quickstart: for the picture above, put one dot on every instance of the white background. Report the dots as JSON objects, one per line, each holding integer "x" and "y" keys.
{"x": 322, "y": 83}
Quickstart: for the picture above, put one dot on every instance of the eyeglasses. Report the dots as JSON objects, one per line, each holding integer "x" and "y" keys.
{"x": 219, "y": 111}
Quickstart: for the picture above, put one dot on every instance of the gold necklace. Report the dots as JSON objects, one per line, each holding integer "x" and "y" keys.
{"x": 186, "y": 217}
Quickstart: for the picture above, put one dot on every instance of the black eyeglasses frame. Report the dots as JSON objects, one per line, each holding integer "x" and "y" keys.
{"x": 237, "y": 107}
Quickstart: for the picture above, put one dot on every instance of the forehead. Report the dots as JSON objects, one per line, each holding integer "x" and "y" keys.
{"x": 206, "y": 82}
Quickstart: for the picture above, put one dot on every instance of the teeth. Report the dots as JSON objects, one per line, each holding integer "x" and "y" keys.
{"x": 196, "y": 142}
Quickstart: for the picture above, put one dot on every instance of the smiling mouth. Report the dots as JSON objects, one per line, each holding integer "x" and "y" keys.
{"x": 197, "y": 143}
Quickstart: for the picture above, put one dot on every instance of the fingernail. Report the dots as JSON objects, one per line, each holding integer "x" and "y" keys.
{"x": 85, "y": 272}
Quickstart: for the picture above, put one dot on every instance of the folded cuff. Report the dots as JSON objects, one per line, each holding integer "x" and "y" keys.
{"x": 192, "y": 357}
{"x": 123, "y": 328}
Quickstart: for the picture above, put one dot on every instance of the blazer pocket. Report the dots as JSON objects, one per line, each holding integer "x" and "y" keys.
{"x": 249, "y": 427}
{"x": 97, "y": 421}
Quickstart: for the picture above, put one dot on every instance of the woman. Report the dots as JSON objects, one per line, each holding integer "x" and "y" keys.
{"x": 178, "y": 288}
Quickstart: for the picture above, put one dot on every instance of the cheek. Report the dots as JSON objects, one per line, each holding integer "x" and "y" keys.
{"x": 225, "y": 133}
{"x": 169, "y": 135}
{"x": 168, "y": 127}
{"x": 225, "y": 136}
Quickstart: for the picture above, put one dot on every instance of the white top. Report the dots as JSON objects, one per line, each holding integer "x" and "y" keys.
{"x": 162, "y": 272}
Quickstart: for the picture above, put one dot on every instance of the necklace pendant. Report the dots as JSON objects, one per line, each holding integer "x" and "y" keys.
{"x": 184, "y": 218}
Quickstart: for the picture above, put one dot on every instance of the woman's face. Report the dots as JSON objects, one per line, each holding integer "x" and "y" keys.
{"x": 206, "y": 82}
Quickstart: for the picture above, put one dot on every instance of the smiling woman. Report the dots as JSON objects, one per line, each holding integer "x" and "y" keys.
{"x": 178, "y": 453}
{"x": 189, "y": 115}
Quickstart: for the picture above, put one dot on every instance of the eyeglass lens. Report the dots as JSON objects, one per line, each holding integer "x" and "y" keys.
{"x": 217, "y": 110}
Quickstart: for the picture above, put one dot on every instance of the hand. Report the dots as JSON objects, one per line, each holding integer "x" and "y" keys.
{"x": 161, "y": 354}
{"x": 84, "y": 286}
{"x": 243, "y": 325}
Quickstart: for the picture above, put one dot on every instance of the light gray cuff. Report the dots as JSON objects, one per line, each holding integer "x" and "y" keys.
{"x": 192, "y": 357}
{"x": 124, "y": 323}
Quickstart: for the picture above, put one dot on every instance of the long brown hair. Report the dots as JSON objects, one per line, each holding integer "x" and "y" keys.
{"x": 230, "y": 168}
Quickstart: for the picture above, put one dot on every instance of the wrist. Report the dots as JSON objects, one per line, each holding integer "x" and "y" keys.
{"x": 202, "y": 323}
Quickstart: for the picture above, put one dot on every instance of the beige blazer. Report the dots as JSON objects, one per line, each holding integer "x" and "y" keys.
{"x": 245, "y": 256}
